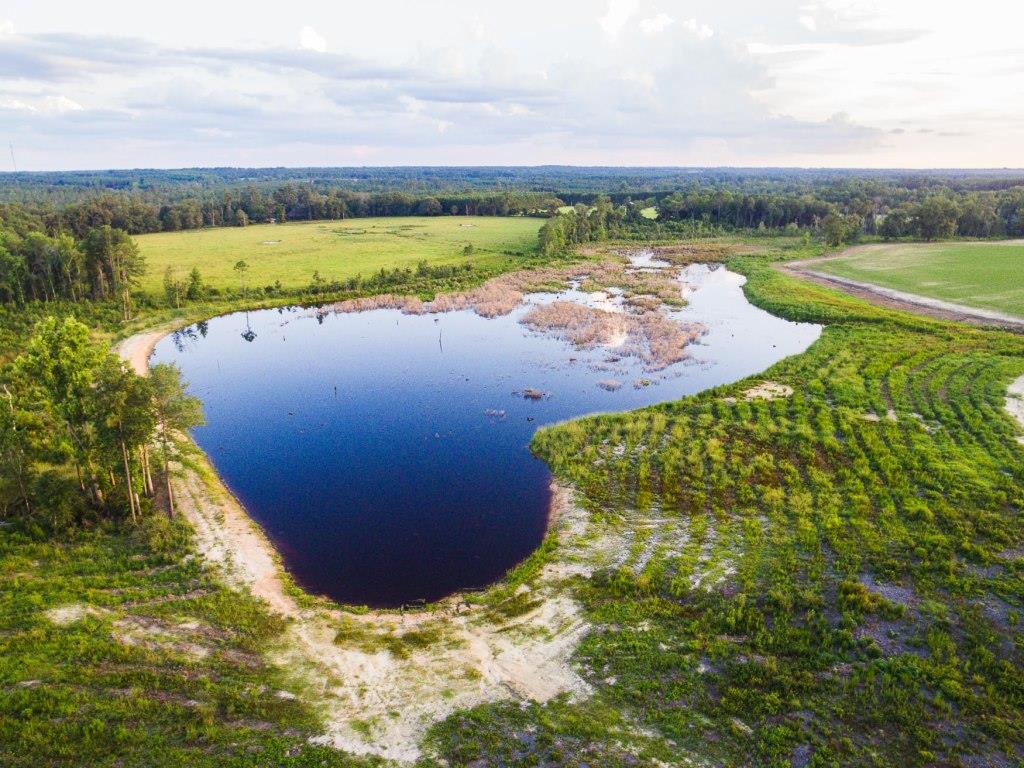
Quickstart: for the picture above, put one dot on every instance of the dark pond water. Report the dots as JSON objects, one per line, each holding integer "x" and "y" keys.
{"x": 386, "y": 455}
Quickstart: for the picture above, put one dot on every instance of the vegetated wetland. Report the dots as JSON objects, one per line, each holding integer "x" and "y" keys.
{"x": 817, "y": 565}
{"x": 393, "y": 462}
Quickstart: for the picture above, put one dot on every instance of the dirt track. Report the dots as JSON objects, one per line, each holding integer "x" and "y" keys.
{"x": 910, "y": 302}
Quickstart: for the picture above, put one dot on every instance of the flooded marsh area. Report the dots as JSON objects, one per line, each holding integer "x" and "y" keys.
{"x": 383, "y": 444}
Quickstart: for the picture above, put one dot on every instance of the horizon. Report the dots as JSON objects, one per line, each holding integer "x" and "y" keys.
{"x": 510, "y": 166}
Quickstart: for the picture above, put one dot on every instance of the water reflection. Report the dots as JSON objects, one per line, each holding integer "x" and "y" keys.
{"x": 387, "y": 455}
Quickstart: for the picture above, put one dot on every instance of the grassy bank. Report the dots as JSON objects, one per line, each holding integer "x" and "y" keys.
{"x": 979, "y": 274}
{"x": 119, "y": 648}
{"x": 831, "y": 578}
{"x": 290, "y": 253}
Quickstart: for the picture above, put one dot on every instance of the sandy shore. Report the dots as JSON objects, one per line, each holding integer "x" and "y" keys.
{"x": 1015, "y": 403}
{"x": 136, "y": 350}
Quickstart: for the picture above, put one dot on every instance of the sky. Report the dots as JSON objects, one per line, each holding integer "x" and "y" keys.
{"x": 830, "y": 83}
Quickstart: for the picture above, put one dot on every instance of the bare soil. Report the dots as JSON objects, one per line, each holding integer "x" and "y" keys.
{"x": 1015, "y": 404}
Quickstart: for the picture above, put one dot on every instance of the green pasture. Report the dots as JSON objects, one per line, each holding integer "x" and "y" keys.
{"x": 290, "y": 253}
{"x": 987, "y": 275}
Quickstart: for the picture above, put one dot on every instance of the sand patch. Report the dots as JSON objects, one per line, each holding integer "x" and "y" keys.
{"x": 890, "y": 415}
{"x": 1015, "y": 403}
{"x": 68, "y": 614}
{"x": 136, "y": 350}
{"x": 772, "y": 390}
{"x": 768, "y": 390}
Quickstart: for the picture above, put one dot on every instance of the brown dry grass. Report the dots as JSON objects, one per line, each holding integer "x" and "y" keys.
{"x": 643, "y": 331}
{"x": 652, "y": 336}
{"x": 585, "y": 327}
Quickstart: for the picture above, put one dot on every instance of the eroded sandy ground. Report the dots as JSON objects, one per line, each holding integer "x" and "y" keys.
{"x": 1015, "y": 404}
{"x": 378, "y": 690}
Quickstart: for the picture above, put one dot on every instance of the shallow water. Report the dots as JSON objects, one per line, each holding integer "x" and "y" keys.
{"x": 386, "y": 455}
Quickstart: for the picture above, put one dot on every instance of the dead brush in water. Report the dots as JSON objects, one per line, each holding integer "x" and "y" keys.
{"x": 583, "y": 326}
{"x": 502, "y": 294}
{"x": 653, "y": 337}
{"x": 667, "y": 339}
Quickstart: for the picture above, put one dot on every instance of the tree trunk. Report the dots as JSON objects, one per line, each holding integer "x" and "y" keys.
{"x": 147, "y": 478}
{"x": 170, "y": 492}
{"x": 128, "y": 481}
{"x": 149, "y": 471}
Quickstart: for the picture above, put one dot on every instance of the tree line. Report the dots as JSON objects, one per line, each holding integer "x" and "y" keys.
{"x": 935, "y": 216}
{"x": 987, "y": 204}
{"x": 73, "y": 413}
{"x": 104, "y": 264}
{"x": 928, "y": 216}
{"x": 135, "y": 214}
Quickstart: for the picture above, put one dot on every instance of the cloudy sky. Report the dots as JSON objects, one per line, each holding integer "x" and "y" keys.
{"x": 903, "y": 83}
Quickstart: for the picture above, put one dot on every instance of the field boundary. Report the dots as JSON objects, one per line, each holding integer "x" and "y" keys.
{"x": 893, "y": 299}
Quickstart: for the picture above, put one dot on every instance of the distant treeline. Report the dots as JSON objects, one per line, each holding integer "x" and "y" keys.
{"x": 885, "y": 203}
{"x": 136, "y": 215}
{"x": 573, "y": 183}
{"x": 924, "y": 214}
{"x": 932, "y": 216}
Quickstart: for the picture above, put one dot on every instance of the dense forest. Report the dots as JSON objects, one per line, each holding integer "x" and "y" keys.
{"x": 890, "y": 204}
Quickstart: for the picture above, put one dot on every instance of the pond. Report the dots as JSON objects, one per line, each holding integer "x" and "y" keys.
{"x": 387, "y": 455}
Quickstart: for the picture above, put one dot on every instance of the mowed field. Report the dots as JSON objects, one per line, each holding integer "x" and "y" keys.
{"x": 986, "y": 275}
{"x": 337, "y": 249}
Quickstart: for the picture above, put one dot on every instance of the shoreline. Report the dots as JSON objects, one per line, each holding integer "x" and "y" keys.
{"x": 483, "y": 657}
{"x": 138, "y": 348}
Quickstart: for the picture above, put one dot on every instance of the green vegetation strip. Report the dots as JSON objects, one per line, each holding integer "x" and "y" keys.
{"x": 986, "y": 275}
{"x": 119, "y": 649}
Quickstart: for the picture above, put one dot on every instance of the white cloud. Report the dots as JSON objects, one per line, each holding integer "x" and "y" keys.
{"x": 52, "y": 105}
{"x": 808, "y": 22}
{"x": 310, "y": 40}
{"x": 619, "y": 12}
{"x": 6, "y": 27}
{"x": 656, "y": 24}
{"x": 16, "y": 105}
{"x": 61, "y": 104}
{"x": 698, "y": 30}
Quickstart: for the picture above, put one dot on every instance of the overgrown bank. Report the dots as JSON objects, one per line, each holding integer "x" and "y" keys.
{"x": 842, "y": 583}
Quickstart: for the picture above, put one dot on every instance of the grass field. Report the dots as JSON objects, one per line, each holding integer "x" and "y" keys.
{"x": 988, "y": 275}
{"x": 338, "y": 249}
